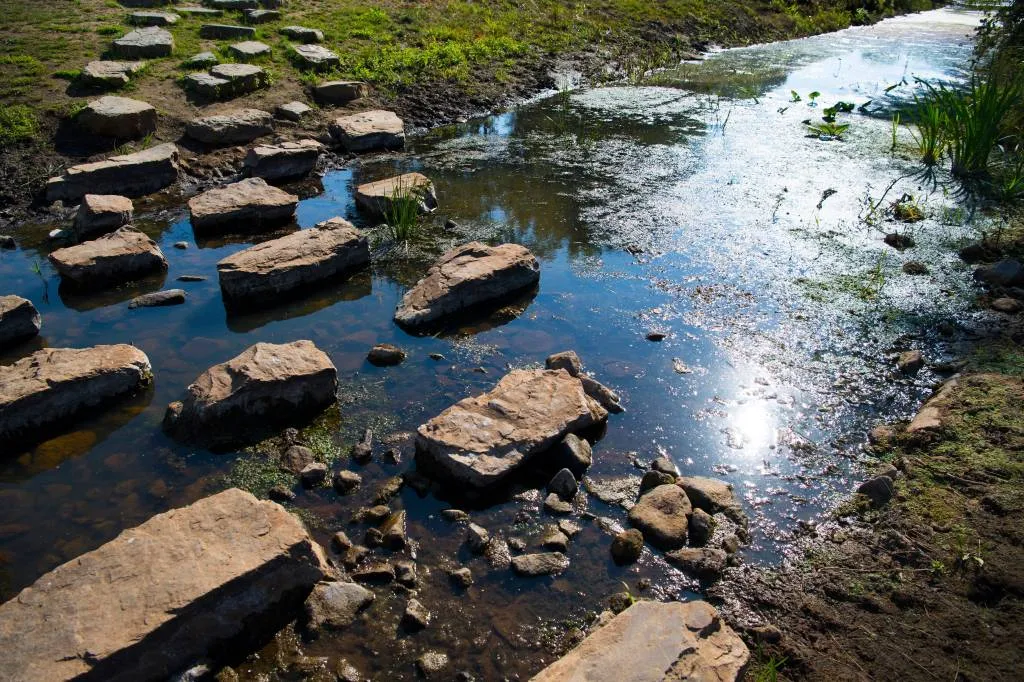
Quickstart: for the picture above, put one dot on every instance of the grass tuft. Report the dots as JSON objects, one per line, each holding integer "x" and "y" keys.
{"x": 18, "y": 123}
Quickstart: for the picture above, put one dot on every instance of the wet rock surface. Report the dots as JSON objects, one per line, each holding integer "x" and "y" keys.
{"x": 273, "y": 268}
{"x": 381, "y": 197}
{"x": 481, "y": 440}
{"x": 175, "y": 603}
{"x": 158, "y": 299}
{"x": 335, "y": 605}
{"x": 544, "y": 563}
{"x": 467, "y": 276}
{"x": 266, "y": 382}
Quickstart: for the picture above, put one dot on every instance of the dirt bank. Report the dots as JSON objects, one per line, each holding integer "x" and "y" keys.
{"x": 929, "y": 586}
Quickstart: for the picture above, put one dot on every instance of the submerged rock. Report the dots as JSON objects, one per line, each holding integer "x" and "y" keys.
{"x": 661, "y": 515}
{"x": 158, "y": 299}
{"x": 161, "y": 596}
{"x": 129, "y": 175}
{"x": 120, "y": 256}
{"x": 54, "y": 384}
{"x": 416, "y": 616}
{"x": 544, "y": 563}
{"x": 466, "y": 276}
{"x": 266, "y": 382}
{"x": 481, "y": 440}
{"x": 252, "y": 203}
{"x": 385, "y": 355}
{"x": 19, "y": 320}
{"x": 272, "y": 268}
{"x": 657, "y": 642}
{"x": 335, "y": 605}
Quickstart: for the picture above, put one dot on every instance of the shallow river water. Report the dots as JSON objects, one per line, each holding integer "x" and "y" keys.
{"x": 699, "y": 208}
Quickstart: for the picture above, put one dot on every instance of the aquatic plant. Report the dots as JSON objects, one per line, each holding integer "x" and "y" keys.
{"x": 931, "y": 130}
{"x": 972, "y": 120}
{"x": 402, "y": 212}
{"x": 828, "y": 130}
{"x": 895, "y": 130}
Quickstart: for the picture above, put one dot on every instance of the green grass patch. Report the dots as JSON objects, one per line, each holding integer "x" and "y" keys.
{"x": 17, "y": 124}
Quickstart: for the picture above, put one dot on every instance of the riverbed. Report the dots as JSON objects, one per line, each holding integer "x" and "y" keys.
{"x": 698, "y": 207}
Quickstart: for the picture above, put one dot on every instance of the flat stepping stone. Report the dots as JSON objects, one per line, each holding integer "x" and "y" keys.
{"x": 120, "y": 256}
{"x": 261, "y": 16}
{"x": 236, "y": 127}
{"x": 656, "y": 641}
{"x": 483, "y": 439}
{"x": 207, "y": 86}
{"x": 101, "y": 213}
{"x": 303, "y": 34}
{"x": 341, "y": 92}
{"x": 153, "y": 18}
{"x": 228, "y": 554}
{"x": 297, "y": 260}
{"x": 202, "y": 60}
{"x": 199, "y": 11}
{"x": 292, "y": 111}
{"x": 218, "y": 31}
{"x": 315, "y": 56}
{"x": 285, "y": 160}
{"x": 369, "y": 131}
{"x": 132, "y": 175}
{"x": 267, "y": 382}
{"x": 250, "y": 49}
{"x": 467, "y": 276}
{"x": 252, "y": 202}
{"x": 144, "y": 43}
{"x": 47, "y": 387}
{"x": 110, "y": 73}
{"x": 379, "y": 198}
{"x": 118, "y": 117}
{"x": 19, "y": 320}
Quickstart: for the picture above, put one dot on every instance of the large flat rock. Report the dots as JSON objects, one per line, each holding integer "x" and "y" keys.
{"x": 144, "y": 43}
{"x": 315, "y": 57}
{"x": 19, "y": 320}
{"x": 369, "y": 131}
{"x": 251, "y": 201}
{"x": 110, "y": 74}
{"x": 122, "y": 255}
{"x": 162, "y": 595}
{"x": 654, "y": 642}
{"x": 380, "y": 197}
{"x": 265, "y": 383}
{"x": 130, "y": 175}
{"x": 482, "y": 439}
{"x": 236, "y": 127}
{"x": 118, "y": 117}
{"x": 285, "y": 160}
{"x": 54, "y": 384}
{"x": 297, "y": 260}
{"x": 467, "y": 276}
